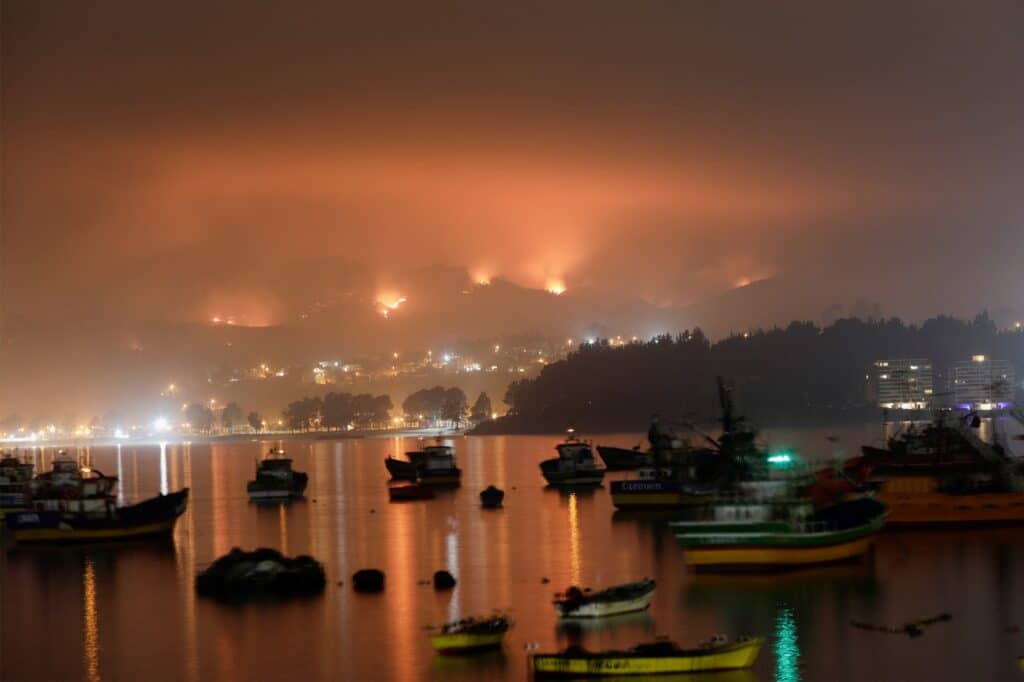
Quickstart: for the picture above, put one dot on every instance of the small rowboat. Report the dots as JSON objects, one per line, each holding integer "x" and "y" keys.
{"x": 627, "y": 598}
{"x": 470, "y": 635}
{"x": 648, "y": 659}
{"x": 414, "y": 491}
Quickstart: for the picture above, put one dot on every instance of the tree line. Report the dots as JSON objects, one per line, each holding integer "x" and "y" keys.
{"x": 800, "y": 371}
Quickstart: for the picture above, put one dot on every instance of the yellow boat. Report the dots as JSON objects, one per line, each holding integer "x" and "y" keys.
{"x": 658, "y": 658}
{"x": 917, "y": 500}
{"x": 470, "y": 635}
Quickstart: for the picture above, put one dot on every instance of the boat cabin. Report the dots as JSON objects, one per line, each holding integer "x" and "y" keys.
{"x": 438, "y": 457}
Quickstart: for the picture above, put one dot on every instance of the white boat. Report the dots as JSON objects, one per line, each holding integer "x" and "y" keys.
{"x": 627, "y": 598}
{"x": 575, "y": 465}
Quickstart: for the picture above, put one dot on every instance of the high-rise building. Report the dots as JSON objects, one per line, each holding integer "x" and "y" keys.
{"x": 904, "y": 384}
{"x": 982, "y": 383}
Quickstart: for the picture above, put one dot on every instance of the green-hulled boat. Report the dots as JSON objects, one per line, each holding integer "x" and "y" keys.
{"x": 744, "y": 533}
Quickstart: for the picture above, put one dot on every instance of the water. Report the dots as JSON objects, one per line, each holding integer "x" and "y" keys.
{"x": 130, "y": 612}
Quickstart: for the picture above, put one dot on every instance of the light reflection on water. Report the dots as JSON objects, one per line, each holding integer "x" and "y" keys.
{"x": 90, "y": 626}
{"x": 154, "y": 627}
{"x": 787, "y": 648}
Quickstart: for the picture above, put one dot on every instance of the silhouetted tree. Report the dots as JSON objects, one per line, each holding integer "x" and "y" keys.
{"x": 338, "y": 411}
{"x": 481, "y": 409}
{"x": 255, "y": 421}
{"x": 231, "y": 415}
{"x": 200, "y": 417}
{"x": 454, "y": 406}
{"x": 301, "y": 415}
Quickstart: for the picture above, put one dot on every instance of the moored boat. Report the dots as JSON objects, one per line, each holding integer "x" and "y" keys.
{"x": 574, "y": 465}
{"x": 779, "y": 533}
{"x": 657, "y": 658}
{"x": 625, "y": 598}
{"x": 928, "y": 500}
{"x": 96, "y": 519}
{"x": 470, "y": 635}
{"x": 400, "y": 469}
{"x": 437, "y": 467}
{"x": 275, "y": 479}
{"x": 622, "y": 459}
{"x": 410, "y": 491}
{"x": 651, "y": 490}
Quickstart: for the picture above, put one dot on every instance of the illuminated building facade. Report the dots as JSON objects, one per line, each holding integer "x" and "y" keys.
{"x": 904, "y": 384}
{"x": 982, "y": 383}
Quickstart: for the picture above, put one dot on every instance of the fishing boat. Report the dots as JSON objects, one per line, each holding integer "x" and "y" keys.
{"x": 95, "y": 519}
{"x": 471, "y": 634}
{"x": 15, "y": 476}
{"x": 66, "y": 480}
{"x": 934, "y": 500}
{"x": 275, "y": 479}
{"x": 656, "y": 658}
{"x": 410, "y": 491}
{"x": 400, "y": 469}
{"x": 744, "y": 533}
{"x": 621, "y": 459}
{"x": 438, "y": 467}
{"x": 626, "y": 598}
{"x": 659, "y": 489}
{"x": 574, "y": 465}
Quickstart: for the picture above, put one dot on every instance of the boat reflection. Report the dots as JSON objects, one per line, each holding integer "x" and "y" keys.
{"x": 722, "y": 676}
{"x": 485, "y": 665}
{"x": 640, "y": 622}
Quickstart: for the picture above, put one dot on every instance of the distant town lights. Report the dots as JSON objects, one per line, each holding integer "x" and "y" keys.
{"x": 978, "y": 358}
{"x": 556, "y": 287}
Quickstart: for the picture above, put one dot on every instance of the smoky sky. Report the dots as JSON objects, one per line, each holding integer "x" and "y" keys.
{"x": 169, "y": 161}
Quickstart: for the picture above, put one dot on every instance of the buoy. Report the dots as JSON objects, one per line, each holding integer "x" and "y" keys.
{"x": 368, "y": 580}
{"x": 443, "y": 580}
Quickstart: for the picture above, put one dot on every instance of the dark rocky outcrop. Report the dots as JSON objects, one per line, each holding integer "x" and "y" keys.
{"x": 239, "y": 574}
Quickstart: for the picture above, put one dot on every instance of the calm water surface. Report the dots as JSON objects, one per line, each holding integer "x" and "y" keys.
{"x": 130, "y": 612}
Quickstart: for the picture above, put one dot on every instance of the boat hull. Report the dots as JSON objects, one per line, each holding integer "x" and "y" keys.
{"x": 655, "y": 494}
{"x": 155, "y": 516}
{"x": 407, "y": 493}
{"x": 621, "y": 459}
{"x": 926, "y": 506}
{"x": 463, "y": 643}
{"x": 400, "y": 469}
{"x": 768, "y": 556}
{"x": 730, "y": 657}
{"x": 443, "y": 477}
{"x": 603, "y": 609}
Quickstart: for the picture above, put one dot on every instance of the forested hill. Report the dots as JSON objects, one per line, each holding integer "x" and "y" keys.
{"x": 802, "y": 373}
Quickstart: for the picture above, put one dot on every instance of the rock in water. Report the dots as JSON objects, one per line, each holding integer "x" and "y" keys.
{"x": 368, "y": 580}
{"x": 239, "y": 574}
{"x": 443, "y": 580}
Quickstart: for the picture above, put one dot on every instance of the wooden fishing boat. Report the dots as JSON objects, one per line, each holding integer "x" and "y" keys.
{"x": 275, "y": 479}
{"x": 96, "y": 519}
{"x": 626, "y": 598}
{"x": 411, "y": 491}
{"x": 780, "y": 533}
{"x": 657, "y": 658}
{"x": 651, "y": 491}
{"x": 574, "y": 466}
{"x": 926, "y": 500}
{"x": 470, "y": 635}
{"x": 621, "y": 459}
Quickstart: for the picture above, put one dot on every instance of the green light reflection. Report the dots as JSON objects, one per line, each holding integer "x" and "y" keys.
{"x": 787, "y": 650}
